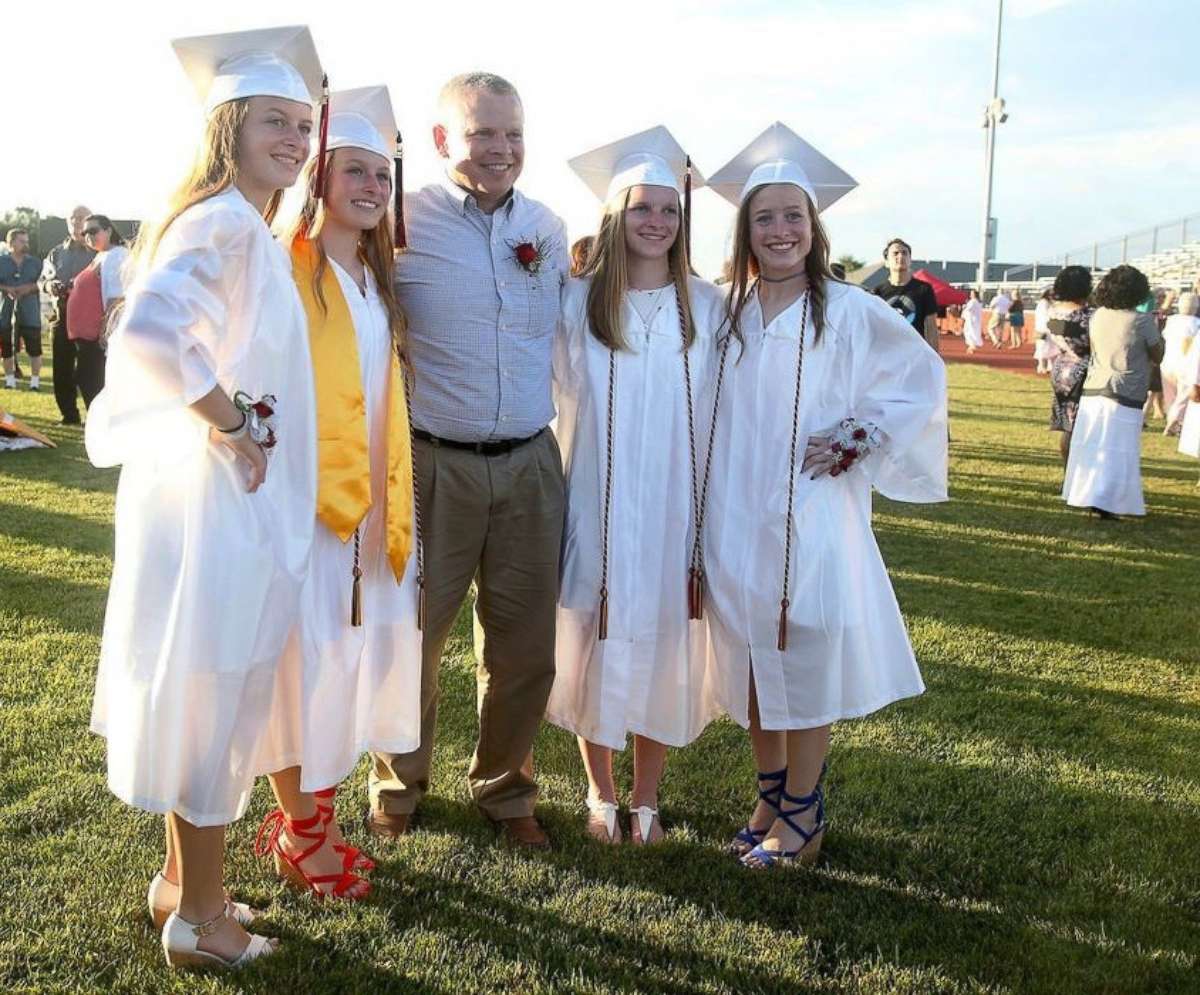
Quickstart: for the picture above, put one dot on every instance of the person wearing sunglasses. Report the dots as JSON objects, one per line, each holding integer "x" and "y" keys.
{"x": 99, "y": 289}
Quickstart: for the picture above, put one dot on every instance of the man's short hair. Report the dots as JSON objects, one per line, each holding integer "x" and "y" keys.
{"x": 459, "y": 86}
{"x": 11, "y": 237}
{"x": 896, "y": 241}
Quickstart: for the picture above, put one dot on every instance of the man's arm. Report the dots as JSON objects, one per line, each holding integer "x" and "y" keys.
{"x": 931, "y": 328}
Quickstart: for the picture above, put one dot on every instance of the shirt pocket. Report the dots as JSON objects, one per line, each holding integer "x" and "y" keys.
{"x": 542, "y": 291}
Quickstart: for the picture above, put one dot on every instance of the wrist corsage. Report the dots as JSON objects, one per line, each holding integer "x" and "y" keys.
{"x": 260, "y": 418}
{"x": 852, "y": 440}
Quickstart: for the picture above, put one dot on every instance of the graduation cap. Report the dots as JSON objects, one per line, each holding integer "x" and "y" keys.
{"x": 363, "y": 119}
{"x": 268, "y": 62}
{"x": 779, "y": 155}
{"x": 649, "y": 158}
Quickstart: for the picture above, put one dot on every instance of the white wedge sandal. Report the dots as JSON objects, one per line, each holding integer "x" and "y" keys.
{"x": 598, "y": 808}
{"x": 161, "y": 907}
{"x": 180, "y": 940}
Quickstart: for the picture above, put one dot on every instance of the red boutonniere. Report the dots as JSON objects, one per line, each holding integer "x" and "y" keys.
{"x": 261, "y": 416}
{"x": 530, "y": 255}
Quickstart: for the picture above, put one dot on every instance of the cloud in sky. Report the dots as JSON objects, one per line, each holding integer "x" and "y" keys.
{"x": 893, "y": 92}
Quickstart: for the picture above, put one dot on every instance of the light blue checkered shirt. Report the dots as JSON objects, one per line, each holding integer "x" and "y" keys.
{"x": 481, "y": 328}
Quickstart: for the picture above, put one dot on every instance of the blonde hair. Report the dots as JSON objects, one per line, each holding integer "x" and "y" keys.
{"x": 608, "y": 266}
{"x": 375, "y": 249}
{"x": 215, "y": 170}
{"x": 745, "y": 267}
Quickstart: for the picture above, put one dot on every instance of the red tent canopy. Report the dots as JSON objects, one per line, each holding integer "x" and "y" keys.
{"x": 946, "y": 295}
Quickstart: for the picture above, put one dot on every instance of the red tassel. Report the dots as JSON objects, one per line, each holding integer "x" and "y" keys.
{"x": 603, "y": 634}
{"x": 687, "y": 208}
{"x": 695, "y": 593}
{"x": 323, "y": 137}
{"x": 401, "y": 236}
{"x": 783, "y": 609}
{"x": 420, "y": 604}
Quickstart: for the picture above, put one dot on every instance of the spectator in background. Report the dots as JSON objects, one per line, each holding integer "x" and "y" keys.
{"x": 1179, "y": 336}
{"x": 1043, "y": 350}
{"x": 912, "y": 298}
{"x": 1016, "y": 321}
{"x": 20, "y": 308}
{"x": 99, "y": 288}
{"x": 1068, "y": 331}
{"x": 1155, "y": 406}
{"x": 581, "y": 248}
{"x": 63, "y": 264}
{"x": 1104, "y": 472}
{"x": 1000, "y": 305}
{"x": 972, "y": 316}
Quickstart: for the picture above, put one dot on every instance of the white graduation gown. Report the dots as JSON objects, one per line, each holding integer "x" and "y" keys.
{"x": 1188, "y": 372}
{"x": 847, "y": 652}
{"x": 649, "y": 676}
{"x": 206, "y": 577}
{"x": 972, "y": 315}
{"x": 342, "y": 690}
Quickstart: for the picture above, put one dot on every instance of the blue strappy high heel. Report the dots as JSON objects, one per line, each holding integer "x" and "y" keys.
{"x": 807, "y": 852}
{"x": 748, "y": 838}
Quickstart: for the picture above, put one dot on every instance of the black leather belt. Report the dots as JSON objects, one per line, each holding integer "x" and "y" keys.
{"x": 495, "y": 448}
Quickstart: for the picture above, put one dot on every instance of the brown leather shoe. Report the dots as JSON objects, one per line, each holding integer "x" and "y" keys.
{"x": 387, "y": 825}
{"x": 524, "y": 830}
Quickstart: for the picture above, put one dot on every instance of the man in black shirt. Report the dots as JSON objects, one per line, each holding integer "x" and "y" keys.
{"x": 913, "y": 298}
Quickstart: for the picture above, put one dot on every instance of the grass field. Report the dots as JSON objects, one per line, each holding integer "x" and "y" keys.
{"x": 1031, "y": 824}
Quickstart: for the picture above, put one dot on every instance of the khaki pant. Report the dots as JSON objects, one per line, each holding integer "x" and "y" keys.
{"x": 496, "y": 520}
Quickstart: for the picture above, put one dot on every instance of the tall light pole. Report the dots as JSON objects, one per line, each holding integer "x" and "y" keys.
{"x": 993, "y": 115}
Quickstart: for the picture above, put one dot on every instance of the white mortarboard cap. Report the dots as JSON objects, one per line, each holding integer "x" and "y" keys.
{"x": 779, "y": 155}
{"x": 649, "y": 158}
{"x": 362, "y": 119}
{"x": 269, "y": 62}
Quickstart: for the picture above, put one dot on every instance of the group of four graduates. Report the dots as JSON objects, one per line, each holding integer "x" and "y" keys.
{"x": 264, "y": 611}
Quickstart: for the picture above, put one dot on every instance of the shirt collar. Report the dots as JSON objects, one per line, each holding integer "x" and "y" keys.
{"x": 460, "y": 197}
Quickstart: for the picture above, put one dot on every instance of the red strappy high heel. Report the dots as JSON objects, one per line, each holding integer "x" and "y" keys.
{"x": 345, "y": 885}
{"x": 361, "y": 861}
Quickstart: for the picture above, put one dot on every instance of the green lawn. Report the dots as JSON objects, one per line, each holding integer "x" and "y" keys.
{"x": 1031, "y": 824}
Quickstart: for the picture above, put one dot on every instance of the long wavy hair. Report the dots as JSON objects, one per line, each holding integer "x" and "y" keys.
{"x": 215, "y": 170}
{"x": 376, "y": 249}
{"x": 608, "y": 266}
{"x": 745, "y": 270}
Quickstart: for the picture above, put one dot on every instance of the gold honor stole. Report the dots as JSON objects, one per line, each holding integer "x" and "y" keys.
{"x": 343, "y": 458}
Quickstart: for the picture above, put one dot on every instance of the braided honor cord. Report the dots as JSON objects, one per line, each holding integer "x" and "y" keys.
{"x": 695, "y": 584}
{"x": 420, "y": 542}
{"x": 608, "y": 470}
{"x": 787, "y": 552}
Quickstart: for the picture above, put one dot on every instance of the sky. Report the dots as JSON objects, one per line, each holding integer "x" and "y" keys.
{"x": 1103, "y": 135}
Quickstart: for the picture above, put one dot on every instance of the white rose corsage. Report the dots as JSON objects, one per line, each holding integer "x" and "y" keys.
{"x": 851, "y": 441}
{"x": 260, "y": 418}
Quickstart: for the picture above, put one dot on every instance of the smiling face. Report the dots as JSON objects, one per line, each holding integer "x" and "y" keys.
{"x": 272, "y": 145}
{"x": 651, "y": 221}
{"x": 359, "y": 184}
{"x": 482, "y": 139}
{"x": 780, "y": 229}
{"x": 96, "y": 236}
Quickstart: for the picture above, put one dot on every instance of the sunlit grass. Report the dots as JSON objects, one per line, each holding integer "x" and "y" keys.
{"x": 1028, "y": 825}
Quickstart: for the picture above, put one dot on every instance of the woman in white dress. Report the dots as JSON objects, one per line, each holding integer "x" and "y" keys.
{"x": 208, "y": 374}
{"x": 1179, "y": 335}
{"x": 633, "y": 358}
{"x": 1043, "y": 351}
{"x": 351, "y": 674}
{"x": 826, "y": 393}
{"x": 972, "y": 315}
{"x": 1188, "y": 385}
